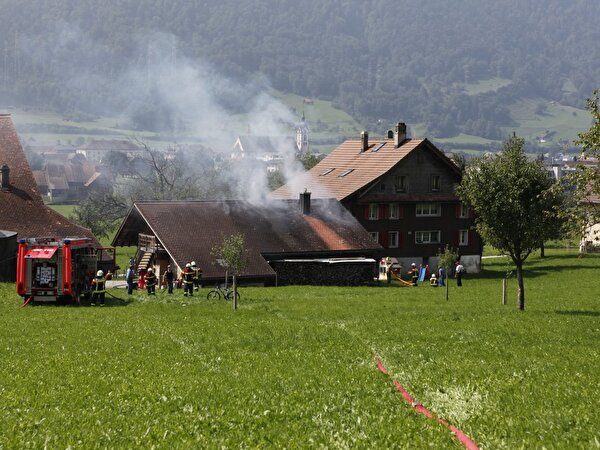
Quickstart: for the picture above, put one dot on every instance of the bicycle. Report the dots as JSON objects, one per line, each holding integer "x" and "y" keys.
{"x": 218, "y": 292}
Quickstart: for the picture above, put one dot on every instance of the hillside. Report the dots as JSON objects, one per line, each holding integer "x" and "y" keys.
{"x": 458, "y": 70}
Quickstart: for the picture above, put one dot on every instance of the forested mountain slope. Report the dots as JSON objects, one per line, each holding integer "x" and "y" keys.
{"x": 380, "y": 60}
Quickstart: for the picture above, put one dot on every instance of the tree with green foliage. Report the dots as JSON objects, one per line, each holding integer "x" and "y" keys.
{"x": 101, "y": 212}
{"x": 233, "y": 255}
{"x": 514, "y": 202}
{"x": 447, "y": 256}
{"x": 585, "y": 209}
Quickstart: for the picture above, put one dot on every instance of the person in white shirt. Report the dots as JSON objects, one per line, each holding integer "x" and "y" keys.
{"x": 458, "y": 273}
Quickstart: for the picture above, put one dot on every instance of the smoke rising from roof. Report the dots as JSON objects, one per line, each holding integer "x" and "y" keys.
{"x": 180, "y": 98}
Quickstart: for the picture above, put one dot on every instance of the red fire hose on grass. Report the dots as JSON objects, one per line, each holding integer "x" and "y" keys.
{"x": 462, "y": 437}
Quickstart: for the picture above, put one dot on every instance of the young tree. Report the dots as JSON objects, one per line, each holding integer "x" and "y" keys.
{"x": 514, "y": 203}
{"x": 234, "y": 256}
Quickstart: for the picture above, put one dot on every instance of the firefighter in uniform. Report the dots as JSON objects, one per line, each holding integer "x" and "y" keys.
{"x": 151, "y": 282}
{"x": 98, "y": 288}
{"x": 414, "y": 274}
{"x": 197, "y": 275}
{"x": 187, "y": 277}
{"x": 433, "y": 281}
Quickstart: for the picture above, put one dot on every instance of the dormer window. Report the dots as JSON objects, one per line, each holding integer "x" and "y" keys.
{"x": 400, "y": 183}
{"x": 435, "y": 183}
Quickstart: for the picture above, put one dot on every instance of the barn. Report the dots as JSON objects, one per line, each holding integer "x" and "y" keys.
{"x": 287, "y": 241}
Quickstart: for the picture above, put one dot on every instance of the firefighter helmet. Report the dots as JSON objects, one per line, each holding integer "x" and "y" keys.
{"x": 150, "y": 269}
{"x": 99, "y": 273}
{"x": 193, "y": 263}
{"x": 188, "y": 265}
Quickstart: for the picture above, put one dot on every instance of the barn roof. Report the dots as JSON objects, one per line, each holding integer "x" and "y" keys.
{"x": 188, "y": 230}
{"x": 347, "y": 169}
{"x": 21, "y": 207}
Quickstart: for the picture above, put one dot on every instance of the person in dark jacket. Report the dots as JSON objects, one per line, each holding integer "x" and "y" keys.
{"x": 168, "y": 279}
{"x": 129, "y": 278}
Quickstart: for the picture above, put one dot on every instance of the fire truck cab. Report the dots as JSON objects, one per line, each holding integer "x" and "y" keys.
{"x": 50, "y": 269}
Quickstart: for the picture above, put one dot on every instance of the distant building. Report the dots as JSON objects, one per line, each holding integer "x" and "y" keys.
{"x": 302, "y": 136}
{"x": 270, "y": 150}
{"x": 401, "y": 191}
{"x": 68, "y": 181}
{"x": 96, "y": 150}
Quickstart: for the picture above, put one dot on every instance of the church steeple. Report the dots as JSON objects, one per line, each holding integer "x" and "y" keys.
{"x": 302, "y": 135}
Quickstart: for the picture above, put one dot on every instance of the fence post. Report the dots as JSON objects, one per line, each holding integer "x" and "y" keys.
{"x": 446, "y": 276}
{"x": 504, "y": 291}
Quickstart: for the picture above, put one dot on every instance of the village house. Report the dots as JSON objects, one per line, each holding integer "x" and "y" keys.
{"x": 23, "y": 213}
{"x": 402, "y": 191}
{"x": 270, "y": 151}
{"x": 96, "y": 150}
{"x": 287, "y": 241}
{"x": 69, "y": 181}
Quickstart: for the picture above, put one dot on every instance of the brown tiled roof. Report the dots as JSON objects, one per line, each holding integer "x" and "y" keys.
{"x": 61, "y": 175}
{"x": 189, "y": 230}
{"x": 21, "y": 207}
{"x": 40, "y": 178}
{"x": 366, "y": 167}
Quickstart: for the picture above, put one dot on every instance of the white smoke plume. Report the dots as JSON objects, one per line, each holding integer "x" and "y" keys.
{"x": 193, "y": 99}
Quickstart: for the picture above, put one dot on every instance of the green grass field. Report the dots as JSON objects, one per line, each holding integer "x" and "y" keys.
{"x": 565, "y": 120}
{"x": 483, "y": 86}
{"x": 294, "y": 367}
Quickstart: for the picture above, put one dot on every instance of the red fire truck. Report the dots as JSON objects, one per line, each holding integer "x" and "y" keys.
{"x": 50, "y": 269}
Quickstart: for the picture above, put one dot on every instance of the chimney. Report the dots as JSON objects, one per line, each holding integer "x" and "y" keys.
{"x": 305, "y": 202}
{"x": 364, "y": 141}
{"x": 399, "y": 134}
{"x": 4, "y": 177}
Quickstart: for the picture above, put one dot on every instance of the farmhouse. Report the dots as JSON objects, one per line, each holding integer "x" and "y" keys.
{"x": 23, "y": 214}
{"x": 401, "y": 191}
{"x": 69, "y": 181}
{"x": 288, "y": 242}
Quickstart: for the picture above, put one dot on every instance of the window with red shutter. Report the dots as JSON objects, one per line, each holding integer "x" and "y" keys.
{"x": 383, "y": 209}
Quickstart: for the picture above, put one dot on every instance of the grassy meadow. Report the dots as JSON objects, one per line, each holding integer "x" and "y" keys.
{"x": 294, "y": 367}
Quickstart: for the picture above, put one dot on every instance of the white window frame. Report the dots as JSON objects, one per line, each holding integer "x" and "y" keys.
{"x": 373, "y": 211}
{"x": 393, "y": 241}
{"x": 374, "y": 235}
{"x": 394, "y": 211}
{"x": 425, "y": 237}
{"x": 464, "y": 211}
{"x": 463, "y": 237}
{"x": 428, "y": 209}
